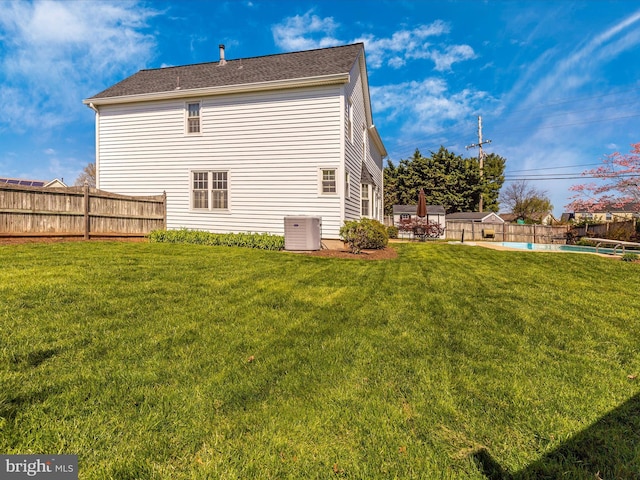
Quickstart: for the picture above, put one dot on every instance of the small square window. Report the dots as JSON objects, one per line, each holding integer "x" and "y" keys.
{"x": 329, "y": 181}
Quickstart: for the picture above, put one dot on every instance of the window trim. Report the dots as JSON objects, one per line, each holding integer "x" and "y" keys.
{"x": 210, "y": 191}
{"x": 187, "y": 118}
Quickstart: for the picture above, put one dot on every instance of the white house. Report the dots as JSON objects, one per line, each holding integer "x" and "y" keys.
{"x": 239, "y": 144}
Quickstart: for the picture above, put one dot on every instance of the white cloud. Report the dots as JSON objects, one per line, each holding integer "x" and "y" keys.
{"x": 50, "y": 151}
{"x": 452, "y": 54}
{"x": 55, "y": 53}
{"x": 425, "y": 106}
{"x": 305, "y": 32}
{"x": 308, "y": 31}
{"x": 577, "y": 69}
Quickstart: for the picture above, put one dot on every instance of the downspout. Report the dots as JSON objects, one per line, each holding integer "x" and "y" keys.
{"x": 95, "y": 109}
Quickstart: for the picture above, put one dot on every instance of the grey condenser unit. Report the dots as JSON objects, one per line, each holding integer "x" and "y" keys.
{"x": 302, "y": 233}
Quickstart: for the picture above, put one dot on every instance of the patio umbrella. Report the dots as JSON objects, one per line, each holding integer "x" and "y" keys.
{"x": 422, "y": 204}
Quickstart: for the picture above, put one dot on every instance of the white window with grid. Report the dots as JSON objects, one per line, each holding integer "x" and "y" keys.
{"x": 193, "y": 118}
{"x": 328, "y": 181}
{"x": 209, "y": 190}
{"x": 200, "y": 190}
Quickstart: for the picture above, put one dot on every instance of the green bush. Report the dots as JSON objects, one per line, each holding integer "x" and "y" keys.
{"x": 262, "y": 241}
{"x": 630, "y": 257}
{"x": 585, "y": 243}
{"x": 392, "y": 231}
{"x": 364, "y": 234}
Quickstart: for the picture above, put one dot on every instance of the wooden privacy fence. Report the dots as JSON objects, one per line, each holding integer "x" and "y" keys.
{"x": 506, "y": 232}
{"x": 620, "y": 229}
{"x": 77, "y": 212}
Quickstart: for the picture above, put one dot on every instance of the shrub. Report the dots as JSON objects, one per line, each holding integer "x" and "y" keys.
{"x": 364, "y": 234}
{"x": 585, "y": 243}
{"x": 262, "y": 241}
{"x": 392, "y": 231}
{"x": 630, "y": 257}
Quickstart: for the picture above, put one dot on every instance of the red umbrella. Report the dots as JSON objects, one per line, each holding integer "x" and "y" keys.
{"x": 422, "y": 204}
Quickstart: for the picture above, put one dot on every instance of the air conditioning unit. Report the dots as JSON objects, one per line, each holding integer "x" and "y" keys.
{"x": 302, "y": 233}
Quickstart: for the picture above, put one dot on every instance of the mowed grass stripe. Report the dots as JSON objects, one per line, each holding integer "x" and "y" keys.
{"x": 177, "y": 361}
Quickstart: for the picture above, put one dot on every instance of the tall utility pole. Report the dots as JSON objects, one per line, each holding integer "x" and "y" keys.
{"x": 480, "y": 155}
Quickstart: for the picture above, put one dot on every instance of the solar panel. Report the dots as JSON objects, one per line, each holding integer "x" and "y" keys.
{"x": 23, "y": 182}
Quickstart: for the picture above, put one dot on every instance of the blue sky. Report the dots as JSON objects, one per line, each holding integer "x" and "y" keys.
{"x": 557, "y": 82}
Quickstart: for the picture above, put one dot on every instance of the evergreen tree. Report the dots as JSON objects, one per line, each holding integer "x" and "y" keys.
{"x": 447, "y": 179}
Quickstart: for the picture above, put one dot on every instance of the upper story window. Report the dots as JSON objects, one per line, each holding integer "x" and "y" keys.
{"x": 328, "y": 182}
{"x": 364, "y": 143}
{"x": 350, "y": 120}
{"x": 193, "y": 117}
{"x": 608, "y": 217}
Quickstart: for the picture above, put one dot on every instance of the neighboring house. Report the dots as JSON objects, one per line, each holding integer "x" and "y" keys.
{"x": 542, "y": 218}
{"x": 435, "y": 213}
{"x": 608, "y": 213}
{"x": 55, "y": 183}
{"x": 239, "y": 144}
{"x": 474, "y": 217}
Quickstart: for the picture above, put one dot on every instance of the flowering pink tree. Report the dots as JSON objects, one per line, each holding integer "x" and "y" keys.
{"x": 619, "y": 185}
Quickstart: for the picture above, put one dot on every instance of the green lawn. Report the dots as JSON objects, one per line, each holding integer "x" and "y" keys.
{"x": 194, "y": 362}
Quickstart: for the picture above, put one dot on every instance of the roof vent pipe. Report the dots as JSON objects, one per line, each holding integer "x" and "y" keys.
{"x": 222, "y": 60}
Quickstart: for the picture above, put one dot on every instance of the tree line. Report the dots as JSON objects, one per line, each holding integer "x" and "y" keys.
{"x": 447, "y": 179}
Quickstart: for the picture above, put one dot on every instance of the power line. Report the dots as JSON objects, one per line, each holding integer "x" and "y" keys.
{"x": 555, "y": 168}
{"x": 569, "y": 176}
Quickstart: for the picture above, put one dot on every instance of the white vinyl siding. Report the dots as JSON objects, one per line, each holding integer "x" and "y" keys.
{"x": 270, "y": 143}
{"x": 361, "y": 150}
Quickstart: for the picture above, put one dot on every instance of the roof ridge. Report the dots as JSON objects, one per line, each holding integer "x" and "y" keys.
{"x": 254, "y": 57}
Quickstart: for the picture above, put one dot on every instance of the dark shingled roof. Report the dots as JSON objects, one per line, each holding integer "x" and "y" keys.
{"x": 284, "y": 66}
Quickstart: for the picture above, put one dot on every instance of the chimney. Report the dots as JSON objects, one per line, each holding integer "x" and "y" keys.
{"x": 222, "y": 60}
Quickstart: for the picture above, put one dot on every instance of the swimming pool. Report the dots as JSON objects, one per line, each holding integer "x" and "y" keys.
{"x": 542, "y": 247}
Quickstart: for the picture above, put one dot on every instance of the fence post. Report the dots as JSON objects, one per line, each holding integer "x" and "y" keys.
{"x": 164, "y": 206}
{"x": 86, "y": 210}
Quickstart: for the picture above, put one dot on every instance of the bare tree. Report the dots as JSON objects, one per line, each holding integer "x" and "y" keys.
{"x": 88, "y": 175}
{"x": 525, "y": 201}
